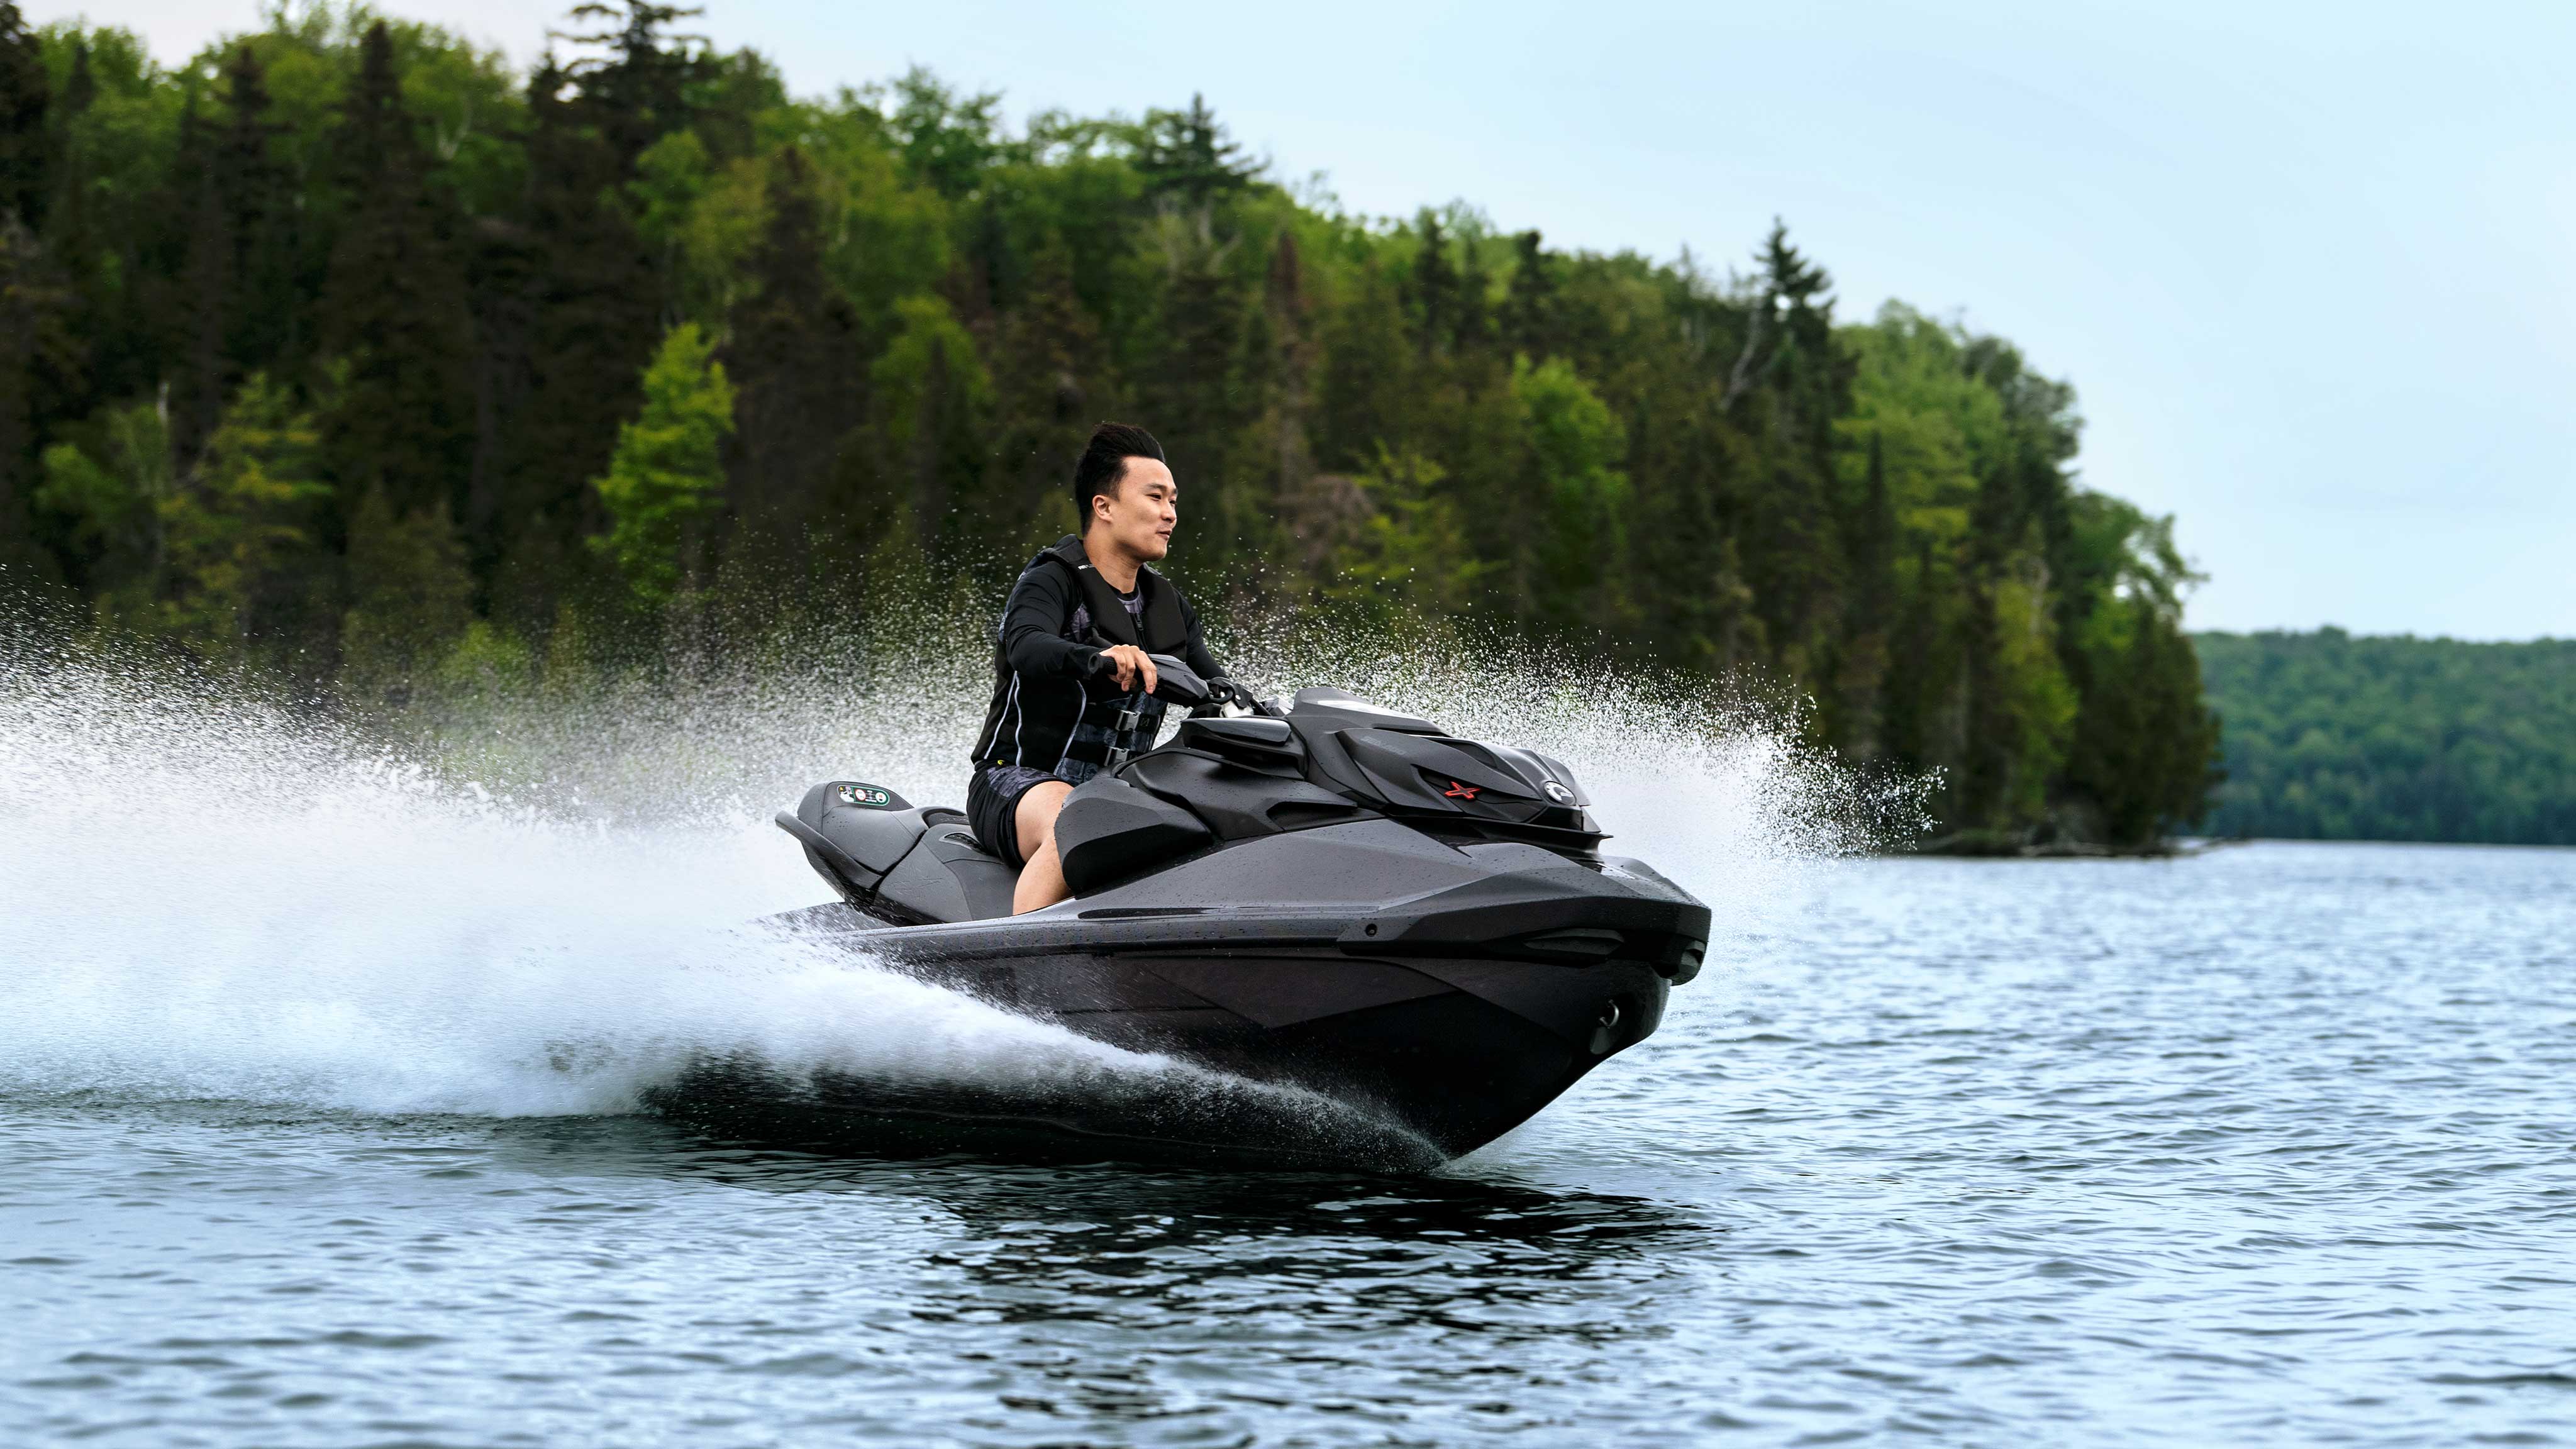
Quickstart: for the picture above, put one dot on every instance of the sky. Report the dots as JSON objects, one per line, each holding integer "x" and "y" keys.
{"x": 2311, "y": 267}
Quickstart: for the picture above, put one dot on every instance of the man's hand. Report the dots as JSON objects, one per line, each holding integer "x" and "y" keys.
{"x": 1129, "y": 662}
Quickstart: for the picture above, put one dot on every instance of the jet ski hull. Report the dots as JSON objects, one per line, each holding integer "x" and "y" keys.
{"x": 1333, "y": 902}
{"x": 1455, "y": 1048}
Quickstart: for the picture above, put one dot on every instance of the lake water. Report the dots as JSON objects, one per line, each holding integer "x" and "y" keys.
{"x": 2267, "y": 1146}
{"x": 316, "y": 1128}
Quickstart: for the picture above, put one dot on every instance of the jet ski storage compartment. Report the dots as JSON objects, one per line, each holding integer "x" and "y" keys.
{"x": 1110, "y": 831}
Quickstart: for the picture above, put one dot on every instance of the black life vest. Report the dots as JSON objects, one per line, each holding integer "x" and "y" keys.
{"x": 1047, "y": 724}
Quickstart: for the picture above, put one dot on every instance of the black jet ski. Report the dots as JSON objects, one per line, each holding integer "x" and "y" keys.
{"x": 1324, "y": 895}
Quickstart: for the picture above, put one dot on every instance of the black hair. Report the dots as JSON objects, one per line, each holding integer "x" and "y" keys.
{"x": 1104, "y": 462}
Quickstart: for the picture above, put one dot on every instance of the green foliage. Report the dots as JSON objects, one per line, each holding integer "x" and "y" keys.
{"x": 1575, "y": 445}
{"x": 666, "y": 478}
{"x": 2337, "y": 737}
{"x": 1413, "y": 557}
{"x": 106, "y": 492}
{"x": 641, "y": 327}
{"x": 238, "y": 566}
{"x": 933, "y": 399}
{"x": 25, "y": 91}
{"x": 410, "y": 598}
{"x": 2033, "y": 626}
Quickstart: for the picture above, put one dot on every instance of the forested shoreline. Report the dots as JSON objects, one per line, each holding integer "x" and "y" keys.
{"x": 2333, "y": 736}
{"x": 345, "y": 351}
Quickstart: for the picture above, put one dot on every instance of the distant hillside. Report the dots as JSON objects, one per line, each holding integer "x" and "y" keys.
{"x": 2333, "y": 737}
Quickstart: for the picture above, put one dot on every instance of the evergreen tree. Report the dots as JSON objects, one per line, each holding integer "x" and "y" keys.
{"x": 1308, "y": 512}
{"x": 25, "y": 149}
{"x": 1434, "y": 284}
{"x": 30, "y": 300}
{"x": 392, "y": 313}
{"x": 1803, "y": 383}
{"x": 69, "y": 239}
{"x": 593, "y": 308}
{"x": 795, "y": 357}
{"x": 928, "y": 441}
{"x": 666, "y": 479}
{"x": 1412, "y": 554}
{"x": 1051, "y": 385}
{"x": 1473, "y": 331}
{"x": 410, "y": 599}
{"x": 238, "y": 274}
{"x": 1575, "y": 446}
{"x": 32, "y": 306}
{"x": 1187, "y": 158}
{"x": 637, "y": 90}
{"x": 238, "y": 562}
{"x": 1861, "y": 668}
{"x": 1528, "y": 316}
{"x": 106, "y": 492}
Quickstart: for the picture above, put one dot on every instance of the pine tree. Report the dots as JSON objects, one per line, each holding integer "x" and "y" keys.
{"x": 238, "y": 559}
{"x": 1799, "y": 382}
{"x": 638, "y": 91}
{"x": 666, "y": 478}
{"x": 410, "y": 597}
{"x": 70, "y": 240}
{"x": 593, "y": 308}
{"x": 794, "y": 355}
{"x": 30, "y": 299}
{"x": 1187, "y": 158}
{"x": 1434, "y": 285}
{"x": 393, "y": 312}
{"x": 1861, "y": 668}
{"x": 32, "y": 306}
{"x": 1307, "y": 514}
{"x": 238, "y": 274}
{"x": 1473, "y": 331}
{"x": 24, "y": 147}
{"x": 1528, "y": 320}
{"x": 1051, "y": 384}
{"x": 929, "y": 443}
{"x": 106, "y": 490}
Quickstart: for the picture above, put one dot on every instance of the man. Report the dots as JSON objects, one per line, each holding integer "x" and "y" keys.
{"x": 1072, "y": 687}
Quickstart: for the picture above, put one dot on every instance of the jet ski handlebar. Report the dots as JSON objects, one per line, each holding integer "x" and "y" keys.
{"x": 1177, "y": 684}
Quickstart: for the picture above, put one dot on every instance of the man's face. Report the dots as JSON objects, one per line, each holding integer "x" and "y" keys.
{"x": 1140, "y": 515}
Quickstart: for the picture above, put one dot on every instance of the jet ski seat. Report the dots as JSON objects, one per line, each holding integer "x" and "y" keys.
{"x": 902, "y": 863}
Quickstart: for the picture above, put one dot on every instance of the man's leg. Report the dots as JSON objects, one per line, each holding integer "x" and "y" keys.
{"x": 1042, "y": 879}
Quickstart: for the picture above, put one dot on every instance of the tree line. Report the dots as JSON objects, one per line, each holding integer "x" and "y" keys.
{"x": 346, "y": 350}
{"x": 2337, "y": 737}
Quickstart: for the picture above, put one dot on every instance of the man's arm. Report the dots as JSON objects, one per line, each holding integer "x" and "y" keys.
{"x": 1033, "y": 625}
{"x": 1194, "y": 650}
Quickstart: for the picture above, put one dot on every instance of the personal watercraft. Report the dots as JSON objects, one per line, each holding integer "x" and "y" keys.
{"x": 1323, "y": 895}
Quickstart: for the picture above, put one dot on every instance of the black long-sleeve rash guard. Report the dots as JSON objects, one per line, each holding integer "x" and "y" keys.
{"x": 1055, "y": 709}
{"x": 1043, "y": 639}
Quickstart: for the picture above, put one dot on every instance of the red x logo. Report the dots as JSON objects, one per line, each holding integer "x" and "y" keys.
{"x": 1457, "y": 791}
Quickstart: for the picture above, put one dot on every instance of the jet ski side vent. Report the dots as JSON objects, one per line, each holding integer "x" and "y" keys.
{"x": 1591, "y": 943}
